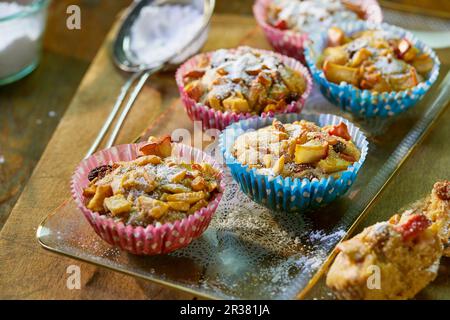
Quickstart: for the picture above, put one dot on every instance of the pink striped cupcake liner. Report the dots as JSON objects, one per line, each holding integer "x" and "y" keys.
{"x": 153, "y": 239}
{"x": 216, "y": 119}
{"x": 292, "y": 43}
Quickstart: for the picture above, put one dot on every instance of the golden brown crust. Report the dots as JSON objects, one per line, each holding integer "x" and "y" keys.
{"x": 153, "y": 188}
{"x": 374, "y": 60}
{"x": 244, "y": 81}
{"x": 299, "y": 150}
{"x": 406, "y": 250}
{"x": 405, "y": 267}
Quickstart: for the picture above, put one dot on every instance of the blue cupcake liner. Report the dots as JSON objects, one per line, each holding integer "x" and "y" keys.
{"x": 290, "y": 194}
{"x": 365, "y": 103}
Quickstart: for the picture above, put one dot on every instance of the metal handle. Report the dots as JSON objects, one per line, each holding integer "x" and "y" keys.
{"x": 141, "y": 77}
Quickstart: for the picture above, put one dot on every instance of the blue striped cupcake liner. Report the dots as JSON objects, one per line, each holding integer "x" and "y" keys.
{"x": 365, "y": 103}
{"x": 290, "y": 194}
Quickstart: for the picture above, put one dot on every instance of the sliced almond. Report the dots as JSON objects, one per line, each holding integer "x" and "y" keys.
{"x": 279, "y": 165}
{"x": 198, "y": 184}
{"x": 179, "y": 205}
{"x": 178, "y": 177}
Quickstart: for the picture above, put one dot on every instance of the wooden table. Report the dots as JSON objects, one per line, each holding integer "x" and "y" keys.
{"x": 28, "y": 271}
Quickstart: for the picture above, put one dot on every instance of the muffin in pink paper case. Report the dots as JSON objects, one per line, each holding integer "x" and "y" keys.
{"x": 144, "y": 214}
{"x": 229, "y": 85}
{"x": 287, "y": 23}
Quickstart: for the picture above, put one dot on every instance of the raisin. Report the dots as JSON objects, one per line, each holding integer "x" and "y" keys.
{"x": 292, "y": 96}
{"x": 339, "y": 147}
{"x": 99, "y": 172}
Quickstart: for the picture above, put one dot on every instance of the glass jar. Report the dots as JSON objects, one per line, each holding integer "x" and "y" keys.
{"x": 22, "y": 25}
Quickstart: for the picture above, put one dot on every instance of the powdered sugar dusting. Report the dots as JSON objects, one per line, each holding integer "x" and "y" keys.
{"x": 19, "y": 39}
{"x": 308, "y": 15}
{"x": 248, "y": 247}
{"x": 160, "y": 31}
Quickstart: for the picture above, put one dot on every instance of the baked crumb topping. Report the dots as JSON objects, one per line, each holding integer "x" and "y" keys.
{"x": 406, "y": 249}
{"x": 298, "y": 150}
{"x": 155, "y": 187}
{"x": 244, "y": 81}
{"x": 308, "y": 15}
{"x": 374, "y": 60}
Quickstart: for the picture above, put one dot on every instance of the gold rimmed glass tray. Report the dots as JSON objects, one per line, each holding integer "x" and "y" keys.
{"x": 249, "y": 252}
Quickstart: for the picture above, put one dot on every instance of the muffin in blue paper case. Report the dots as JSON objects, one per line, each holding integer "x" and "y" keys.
{"x": 287, "y": 193}
{"x": 381, "y": 102}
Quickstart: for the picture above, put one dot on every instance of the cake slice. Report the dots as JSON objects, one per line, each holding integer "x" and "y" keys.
{"x": 395, "y": 259}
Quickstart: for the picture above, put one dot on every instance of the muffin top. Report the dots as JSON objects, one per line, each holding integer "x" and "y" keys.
{"x": 155, "y": 187}
{"x": 374, "y": 60}
{"x": 244, "y": 81}
{"x": 298, "y": 150}
{"x": 308, "y": 15}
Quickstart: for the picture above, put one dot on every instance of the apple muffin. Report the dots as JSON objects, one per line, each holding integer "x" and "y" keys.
{"x": 155, "y": 187}
{"x": 298, "y": 150}
{"x": 244, "y": 80}
{"x": 395, "y": 259}
{"x": 304, "y": 16}
{"x": 374, "y": 60}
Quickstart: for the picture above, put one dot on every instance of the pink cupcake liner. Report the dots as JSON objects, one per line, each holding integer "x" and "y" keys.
{"x": 153, "y": 239}
{"x": 216, "y": 119}
{"x": 292, "y": 43}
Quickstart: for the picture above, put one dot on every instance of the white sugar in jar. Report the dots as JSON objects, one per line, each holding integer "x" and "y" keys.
{"x": 22, "y": 24}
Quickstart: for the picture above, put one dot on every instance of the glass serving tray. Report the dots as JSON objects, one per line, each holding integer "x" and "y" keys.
{"x": 249, "y": 252}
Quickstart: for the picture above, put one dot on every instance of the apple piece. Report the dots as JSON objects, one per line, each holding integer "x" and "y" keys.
{"x": 404, "y": 81}
{"x": 295, "y": 82}
{"x": 161, "y": 147}
{"x": 360, "y": 56}
{"x": 96, "y": 203}
{"x": 337, "y": 73}
{"x": 411, "y": 54}
{"x": 194, "y": 74}
{"x": 117, "y": 205}
{"x": 403, "y": 47}
{"x": 310, "y": 152}
{"x": 279, "y": 165}
{"x": 423, "y": 64}
{"x": 356, "y": 7}
{"x": 236, "y": 104}
{"x": 333, "y": 163}
{"x": 152, "y": 207}
{"x": 336, "y": 37}
{"x": 336, "y": 55}
{"x": 194, "y": 90}
{"x": 89, "y": 191}
{"x": 352, "y": 151}
{"x": 347, "y": 157}
{"x": 339, "y": 130}
{"x": 179, "y": 205}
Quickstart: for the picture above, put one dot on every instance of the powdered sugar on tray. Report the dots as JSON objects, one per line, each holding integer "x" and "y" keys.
{"x": 256, "y": 253}
{"x": 19, "y": 39}
{"x": 160, "y": 31}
